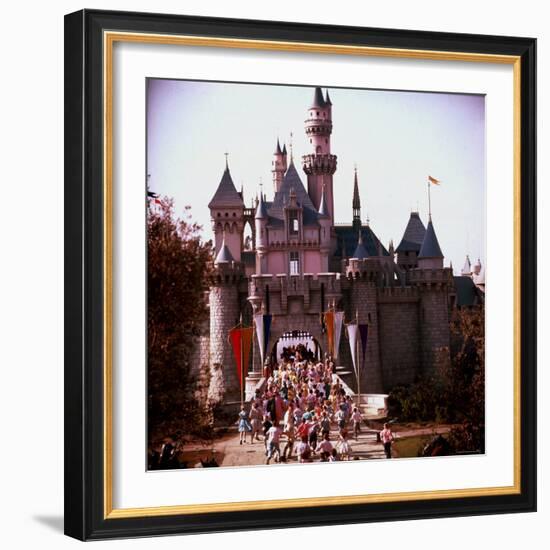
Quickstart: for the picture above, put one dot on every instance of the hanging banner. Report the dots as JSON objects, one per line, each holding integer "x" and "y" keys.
{"x": 329, "y": 322}
{"x": 241, "y": 340}
{"x": 263, "y": 328}
{"x": 364, "y": 332}
{"x": 338, "y": 321}
{"x": 352, "y": 335}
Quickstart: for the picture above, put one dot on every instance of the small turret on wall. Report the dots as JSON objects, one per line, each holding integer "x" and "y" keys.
{"x": 363, "y": 273}
{"x": 434, "y": 282}
{"x": 224, "y": 315}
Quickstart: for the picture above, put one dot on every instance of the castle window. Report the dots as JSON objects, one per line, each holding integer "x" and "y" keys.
{"x": 294, "y": 263}
{"x": 293, "y": 226}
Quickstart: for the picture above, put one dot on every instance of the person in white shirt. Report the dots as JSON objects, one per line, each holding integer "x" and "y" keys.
{"x": 325, "y": 446}
{"x": 273, "y": 442}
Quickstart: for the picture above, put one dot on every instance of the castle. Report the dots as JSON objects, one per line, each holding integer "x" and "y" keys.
{"x": 298, "y": 263}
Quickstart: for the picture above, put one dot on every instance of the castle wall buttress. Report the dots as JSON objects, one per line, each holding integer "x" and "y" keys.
{"x": 399, "y": 336}
{"x": 363, "y": 299}
{"x": 434, "y": 328}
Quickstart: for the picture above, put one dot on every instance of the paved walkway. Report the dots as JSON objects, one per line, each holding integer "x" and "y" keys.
{"x": 228, "y": 452}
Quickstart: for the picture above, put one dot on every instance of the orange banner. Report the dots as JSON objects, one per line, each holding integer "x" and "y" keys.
{"x": 329, "y": 323}
{"x": 241, "y": 340}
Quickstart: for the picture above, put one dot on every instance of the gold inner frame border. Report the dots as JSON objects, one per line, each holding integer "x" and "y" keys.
{"x": 109, "y": 39}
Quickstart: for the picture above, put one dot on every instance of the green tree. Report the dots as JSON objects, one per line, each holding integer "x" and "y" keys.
{"x": 456, "y": 392}
{"x": 179, "y": 268}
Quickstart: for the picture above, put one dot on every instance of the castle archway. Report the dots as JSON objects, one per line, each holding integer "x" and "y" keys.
{"x": 289, "y": 344}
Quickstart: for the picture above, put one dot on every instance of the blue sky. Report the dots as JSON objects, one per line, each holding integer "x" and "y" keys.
{"x": 396, "y": 138}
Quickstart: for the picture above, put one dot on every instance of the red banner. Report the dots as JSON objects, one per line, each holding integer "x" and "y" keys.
{"x": 329, "y": 323}
{"x": 241, "y": 340}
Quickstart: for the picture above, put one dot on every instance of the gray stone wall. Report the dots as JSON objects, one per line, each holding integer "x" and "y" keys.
{"x": 399, "y": 342}
{"x": 434, "y": 327}
{"x": 224, "y": 315}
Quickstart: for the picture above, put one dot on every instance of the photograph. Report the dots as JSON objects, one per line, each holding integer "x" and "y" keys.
{"x": 316, "y": 264}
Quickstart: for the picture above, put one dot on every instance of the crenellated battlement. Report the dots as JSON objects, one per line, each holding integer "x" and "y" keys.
{"x": 398, "y": 294}
{"x": 431, "y": 277}
{"x": 274, "y": 292}
{"x": 230, "y": 273}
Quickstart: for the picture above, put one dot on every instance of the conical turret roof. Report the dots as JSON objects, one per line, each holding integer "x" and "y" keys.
{"x": 413, "y": 235}
{"x": 261, "y": 210}
{"x": 430, "y": 245}
{"x": 360, "y": 252}
{"x": 318, "y": 99}
{"x": 278, "y": 150}
{"x": 467, "y": 269}
{"x": 224, "y": 255}
{"x": 226, "y": 195}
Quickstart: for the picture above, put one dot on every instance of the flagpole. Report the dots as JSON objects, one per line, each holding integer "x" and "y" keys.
{"x": 242, "y": 360}
{"x": 429, "y": 201}
{"x": 358, "y": 361}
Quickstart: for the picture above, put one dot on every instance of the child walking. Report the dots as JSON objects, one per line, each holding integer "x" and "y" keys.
{"x": 386, "y": 436}
{"x": 244, "y": 426}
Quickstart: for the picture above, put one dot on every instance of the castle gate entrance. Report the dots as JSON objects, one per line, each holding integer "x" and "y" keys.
{"x": 291, "y": 341}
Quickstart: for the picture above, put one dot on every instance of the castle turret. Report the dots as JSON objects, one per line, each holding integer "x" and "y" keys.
{"x": 227, "y": 216}
{"x": 363, "y": 274}
{"x": 320, "y": 165}
{"x": 224, "y": 315}
{"x": 278, "y": 166}
{"x": 477, "y": 267}
{"x": 409, "y": 247}
{"x": 467, "y": 269}
{"x": 260, "y": 219}
{"x": 430, "y": 255}
{"x": 433, "y": 282}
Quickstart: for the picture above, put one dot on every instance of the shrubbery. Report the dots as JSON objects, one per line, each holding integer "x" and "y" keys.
{"x": 456, "y": 391}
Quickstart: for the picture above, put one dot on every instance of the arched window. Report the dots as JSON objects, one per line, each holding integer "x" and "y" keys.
{"x": 318, "y": 149}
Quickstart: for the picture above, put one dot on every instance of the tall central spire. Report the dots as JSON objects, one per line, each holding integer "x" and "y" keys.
{"x": 356, "y": 203}
{"x": 320, "y": 163}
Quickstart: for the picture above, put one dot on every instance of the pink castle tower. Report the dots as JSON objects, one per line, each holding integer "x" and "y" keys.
{"x": 320, "y": 165}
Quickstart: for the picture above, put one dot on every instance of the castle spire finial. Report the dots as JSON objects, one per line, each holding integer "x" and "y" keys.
{"x": 226, "y": 161}
{"x": 291, "y": 149}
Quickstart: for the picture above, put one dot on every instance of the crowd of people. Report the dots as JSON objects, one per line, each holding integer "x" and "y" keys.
{"x": 303, "y": 413}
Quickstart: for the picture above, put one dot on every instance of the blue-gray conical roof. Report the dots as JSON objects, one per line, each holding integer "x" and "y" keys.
{"x": 261, "y": 210}
{"x": 430, "y": 246}
{"x": 413, "y": 236}
{"x": 224, "y": 255}
{"x": 226, "y": 195}
{"x": 360, "y": 252}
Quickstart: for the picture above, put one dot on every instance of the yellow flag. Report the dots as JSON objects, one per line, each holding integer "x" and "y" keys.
{"x": 433, "y": 180}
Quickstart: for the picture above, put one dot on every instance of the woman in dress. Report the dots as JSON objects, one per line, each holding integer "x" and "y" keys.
{"x": 244, "y": 426}
{"x": 343, "y": 446}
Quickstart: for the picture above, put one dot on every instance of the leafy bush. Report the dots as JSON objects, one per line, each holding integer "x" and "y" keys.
{"x": 456, "y": 392}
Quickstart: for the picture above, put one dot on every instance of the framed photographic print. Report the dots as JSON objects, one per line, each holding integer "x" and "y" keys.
{"x": 300, "y": 274}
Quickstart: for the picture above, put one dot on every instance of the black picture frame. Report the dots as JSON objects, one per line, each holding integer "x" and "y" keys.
{"x": 85, "y": 517}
